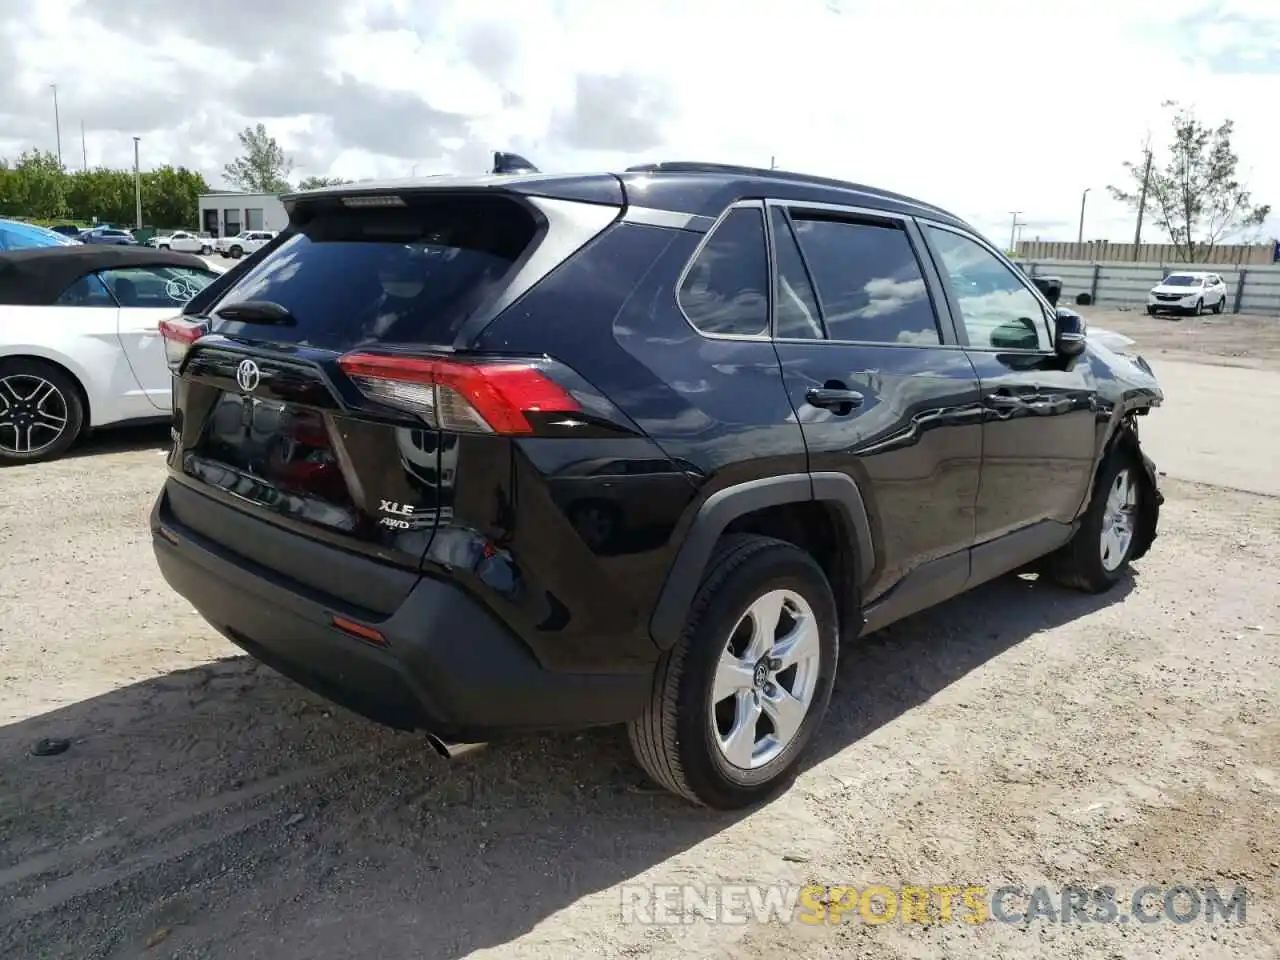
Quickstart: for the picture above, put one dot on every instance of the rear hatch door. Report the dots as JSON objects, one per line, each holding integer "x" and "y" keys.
{"x": 315, "y": 400}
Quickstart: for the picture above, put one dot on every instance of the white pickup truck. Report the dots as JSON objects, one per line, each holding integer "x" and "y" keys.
{"x": 246, "y": 241}
{"x": 183, "y": 241}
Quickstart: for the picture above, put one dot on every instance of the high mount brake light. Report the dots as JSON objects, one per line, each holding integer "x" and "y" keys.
{"x": 465, "y": 397}
{"x": 179, "y": 333}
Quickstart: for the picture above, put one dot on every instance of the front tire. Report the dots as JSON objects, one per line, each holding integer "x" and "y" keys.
{"x": 1199, "y": 307}
{"x": 41, "y": 412}
{"x": 739, "y": 697}
{"x": 237, "y": 253}
{"x": 1097, "y": 557}
{"x": 1151, "y": 311}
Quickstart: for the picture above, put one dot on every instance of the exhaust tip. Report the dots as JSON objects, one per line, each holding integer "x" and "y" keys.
{"x": 452, "y": 751}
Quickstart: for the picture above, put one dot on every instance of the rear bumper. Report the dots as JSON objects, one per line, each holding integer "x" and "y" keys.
{"x": 447, "y": 667}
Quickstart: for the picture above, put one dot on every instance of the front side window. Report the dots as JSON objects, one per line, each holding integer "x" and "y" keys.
{"x": 868, "y": 280}
{"x": 159, "y": 286}
{"x": 997, "y": 309}
{"x": 726, "y": 289}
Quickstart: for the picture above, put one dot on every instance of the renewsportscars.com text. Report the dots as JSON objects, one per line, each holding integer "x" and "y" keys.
{"x": 817, "y": 904}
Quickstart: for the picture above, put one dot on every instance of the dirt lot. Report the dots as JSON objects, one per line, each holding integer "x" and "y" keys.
{"x": 1021, "y": 734}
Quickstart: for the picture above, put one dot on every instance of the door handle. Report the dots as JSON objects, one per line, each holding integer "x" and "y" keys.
{"x": 1003, "y": 400}
{"x": 831, "y": 397}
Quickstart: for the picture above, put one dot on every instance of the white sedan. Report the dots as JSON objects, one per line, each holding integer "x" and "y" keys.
{"x": 80, "y": 344}
{"x": 184, "y": 241}
{"x": 1188, "y": 292}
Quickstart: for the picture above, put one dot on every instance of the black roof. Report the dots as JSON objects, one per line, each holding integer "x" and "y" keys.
{"x": 37, "y": 276}
{"x": 701, "y": 189}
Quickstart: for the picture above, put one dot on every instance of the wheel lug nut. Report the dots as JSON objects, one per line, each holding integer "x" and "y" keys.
{"x": 770, "y": 689}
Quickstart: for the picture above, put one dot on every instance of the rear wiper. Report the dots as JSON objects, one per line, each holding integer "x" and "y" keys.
{"x": 257, "y": 311}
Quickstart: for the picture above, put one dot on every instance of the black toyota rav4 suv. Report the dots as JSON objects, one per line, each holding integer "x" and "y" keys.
{"x": 473, "y": 456}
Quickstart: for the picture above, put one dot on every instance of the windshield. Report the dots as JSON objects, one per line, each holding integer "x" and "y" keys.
{"x": 1181, "y": 280}
{"x": 21, "y": 236}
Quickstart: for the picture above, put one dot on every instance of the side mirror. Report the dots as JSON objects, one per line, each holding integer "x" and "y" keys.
{"x": 1069, "y": 339}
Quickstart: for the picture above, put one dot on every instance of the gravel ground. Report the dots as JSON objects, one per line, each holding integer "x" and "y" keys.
{"x": 1020, "y": 734}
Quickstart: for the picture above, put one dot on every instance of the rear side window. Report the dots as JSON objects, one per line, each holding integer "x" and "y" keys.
{"x": 726, "y": 289}
{"x": 796, "y": 313}
{"x": 411, "y": 275}
{"x": 868, "y": 280}
{"x": 88, "y": 291}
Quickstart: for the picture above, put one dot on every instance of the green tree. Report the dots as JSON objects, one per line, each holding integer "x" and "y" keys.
{"x": 102, "y": 193}
{"x": 264, "y": 167}
{"x": 171, "y": 196}
{"x": 1194, "y": 195}
{"x": 35, "y": 186}
{"x": 315, "y": 183}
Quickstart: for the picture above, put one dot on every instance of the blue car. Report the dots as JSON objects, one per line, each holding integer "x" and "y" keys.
{"x": 16, "y": 235}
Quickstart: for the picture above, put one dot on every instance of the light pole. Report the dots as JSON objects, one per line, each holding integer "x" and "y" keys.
{"x": 137, "y": 182}
{"x": 1013, "y": 230}
{"x": 57, "y": 122}
{"x": 1083, "y": 197}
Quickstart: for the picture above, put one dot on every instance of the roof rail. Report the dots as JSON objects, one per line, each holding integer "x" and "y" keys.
{"x": 695, "y": 166}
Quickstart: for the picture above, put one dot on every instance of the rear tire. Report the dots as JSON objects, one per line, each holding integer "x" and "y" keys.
{"x": 236, "y": 253}
{"x": 1220, "y": 305}
{"x": 732, "y": 672}
{"x": 41, "y": 411}
{"x": 206, "y": 250}
{"x": 1097, "y": 557}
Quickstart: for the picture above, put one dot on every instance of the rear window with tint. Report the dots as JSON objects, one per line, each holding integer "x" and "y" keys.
{"x": 356, "y": 277}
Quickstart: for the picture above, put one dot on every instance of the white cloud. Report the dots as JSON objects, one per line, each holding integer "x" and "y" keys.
{"x": 981, "y": 108}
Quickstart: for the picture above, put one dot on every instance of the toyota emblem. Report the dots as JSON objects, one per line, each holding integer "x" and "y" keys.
{"x": 248, "y": 375}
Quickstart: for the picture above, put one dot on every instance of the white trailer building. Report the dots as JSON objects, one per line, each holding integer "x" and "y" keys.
{"x": 226, "y": 214}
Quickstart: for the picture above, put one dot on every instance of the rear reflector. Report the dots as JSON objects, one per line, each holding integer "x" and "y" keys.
{"x": 359, "y": 630}
{"x": 179, "y": 334}
{"x": 465, "y": 397}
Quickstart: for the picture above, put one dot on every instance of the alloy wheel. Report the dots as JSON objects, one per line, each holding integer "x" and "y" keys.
{"x": 765, "y": 680}
{"x": 1118, "y": 519}
{"x": 33, "y": 414}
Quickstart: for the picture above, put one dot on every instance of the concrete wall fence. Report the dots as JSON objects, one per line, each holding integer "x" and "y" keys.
{"x": 1099, "y": 251}
{"x": 1250, "y": 289}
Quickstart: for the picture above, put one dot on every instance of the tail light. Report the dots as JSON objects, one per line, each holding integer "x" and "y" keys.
{"x": 465, "y": 397}
{"x": 179, "y": 334}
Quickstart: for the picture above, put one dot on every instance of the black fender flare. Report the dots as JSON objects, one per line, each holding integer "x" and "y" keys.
{"x": 723, "y": 507}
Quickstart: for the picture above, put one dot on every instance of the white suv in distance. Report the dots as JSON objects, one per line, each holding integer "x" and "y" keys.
{"x": 184, "y": 241}
{"x": 246, "y": 241}
{"x": 1186, "y": 292}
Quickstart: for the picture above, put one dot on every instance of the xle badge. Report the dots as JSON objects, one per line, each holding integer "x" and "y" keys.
{"x": 400, "y": 510}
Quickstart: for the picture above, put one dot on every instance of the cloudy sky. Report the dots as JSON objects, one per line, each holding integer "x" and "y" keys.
{"x": 984, "y": 108}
